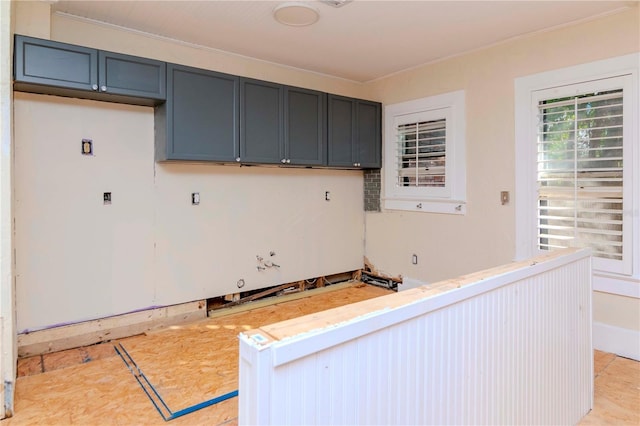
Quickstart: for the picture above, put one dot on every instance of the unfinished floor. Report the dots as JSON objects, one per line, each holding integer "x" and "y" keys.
{"x": 193, "y": 363}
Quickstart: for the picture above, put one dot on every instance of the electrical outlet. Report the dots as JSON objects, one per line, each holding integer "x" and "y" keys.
{"x": 327, "y": 195}
{"x": 504, "y": 197}
{"x": 106, "y": 198}
{"x": 414, "y": 259}
{"x": 87, "y": 147}
{"x": 195, "y": 198}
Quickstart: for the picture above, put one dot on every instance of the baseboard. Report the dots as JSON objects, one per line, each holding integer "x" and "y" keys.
{"x": 617, "y": 340}
{"x": 105, "y": 329}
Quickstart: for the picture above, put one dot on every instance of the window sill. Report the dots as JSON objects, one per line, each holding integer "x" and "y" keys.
{"x": 427, "y": 206}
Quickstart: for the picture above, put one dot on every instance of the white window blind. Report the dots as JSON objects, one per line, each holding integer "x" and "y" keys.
{"x": 421, "y": 154}
{"x": 580, "y": 173}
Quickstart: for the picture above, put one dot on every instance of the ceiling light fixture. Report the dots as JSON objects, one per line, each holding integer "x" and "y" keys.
{"x": 336, "y": 3}
{"x": 296, "y": 14}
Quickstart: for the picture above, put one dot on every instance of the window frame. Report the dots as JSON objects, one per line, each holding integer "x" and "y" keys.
{"x": 526, "y": 88}
{"x": 451, "y": 198}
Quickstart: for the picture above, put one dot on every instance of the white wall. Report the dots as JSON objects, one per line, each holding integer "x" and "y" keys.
{"x": 449, "y": 245}
{"x": 75, "y": 257}
{"x": 248, "y": 211}
{"x": 79, "y": 259}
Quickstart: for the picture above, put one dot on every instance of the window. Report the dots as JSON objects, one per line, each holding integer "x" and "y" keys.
{"x": 576, "y": 154}
{"x": 580, "y": 173}
{"x": 424, "y": 155}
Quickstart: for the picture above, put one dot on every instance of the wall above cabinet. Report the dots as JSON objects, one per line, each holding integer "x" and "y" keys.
{"x": 54, "y": 68}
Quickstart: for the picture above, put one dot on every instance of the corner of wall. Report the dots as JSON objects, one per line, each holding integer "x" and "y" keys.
{"x": 8, "y": 338}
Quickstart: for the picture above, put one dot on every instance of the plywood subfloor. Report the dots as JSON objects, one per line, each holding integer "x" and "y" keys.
{"x": 193, "y": 363}
{"x": 187, "y": 364}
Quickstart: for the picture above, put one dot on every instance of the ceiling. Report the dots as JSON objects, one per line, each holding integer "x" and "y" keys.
{"x": 361, "y": 41}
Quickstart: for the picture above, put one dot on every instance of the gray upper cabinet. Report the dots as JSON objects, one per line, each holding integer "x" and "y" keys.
{"x": 45, "y": 62}
{"x": 131, "y": 76}
{"x": 199, "y": 121}
{"x": 261, "y": 122}
{"x": 304, "y": 127}
{"x": 50, "y": 67}
{"x": 353, "y": 131}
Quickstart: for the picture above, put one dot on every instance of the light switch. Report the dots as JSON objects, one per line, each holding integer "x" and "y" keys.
{"x": 504, "y": 197}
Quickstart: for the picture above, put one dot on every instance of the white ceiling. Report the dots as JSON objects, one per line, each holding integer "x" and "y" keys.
{"x": 363, "y": 40}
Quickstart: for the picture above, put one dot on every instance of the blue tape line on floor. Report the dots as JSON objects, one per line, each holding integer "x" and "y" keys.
{"x": 137, "y": 374}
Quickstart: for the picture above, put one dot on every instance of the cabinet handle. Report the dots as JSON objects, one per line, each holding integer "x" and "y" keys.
{"x": 288, "y": 160}
{"x": 94, "y": 87}
{"x": 103, "y": 88}
{"x": 238, "y": 159}
{"x": 283, "y": 161}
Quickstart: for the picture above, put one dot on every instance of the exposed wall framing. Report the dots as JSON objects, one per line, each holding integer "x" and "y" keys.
{"x": 281, "y": 290}
{"x": 106, "y": 329}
